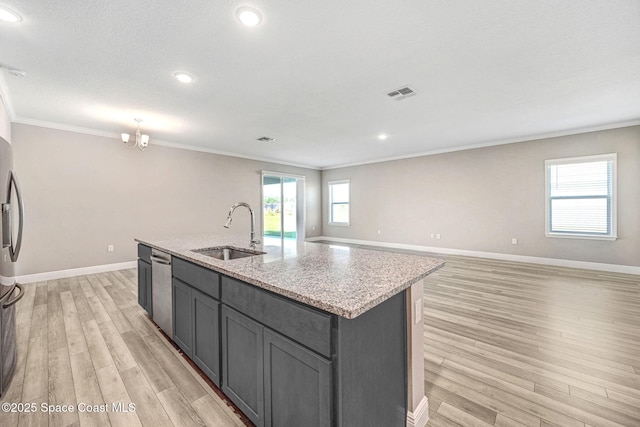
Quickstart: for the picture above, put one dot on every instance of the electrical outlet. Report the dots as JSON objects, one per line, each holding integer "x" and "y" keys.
{"x": 438, "y": 236}
{"x": 110, "y": 248}
{"x": 313, "y": 228}
{"x": 514, "y": 241}
{"x": 379, "y": 232}
{"x": 433, "y": 236}
{"x": 418, "y": 311}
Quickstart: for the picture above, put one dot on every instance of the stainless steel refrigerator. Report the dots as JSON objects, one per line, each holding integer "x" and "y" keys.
{"x": 11, "y": 237}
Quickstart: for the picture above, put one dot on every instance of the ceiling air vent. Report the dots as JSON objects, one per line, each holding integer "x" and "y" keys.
{"x": 265, "y": 139}
{"x": 402, "y": 93}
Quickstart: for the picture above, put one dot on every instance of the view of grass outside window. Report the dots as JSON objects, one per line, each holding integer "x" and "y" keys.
{"x": 339, "y": 202}
{"x": 581, "y": 196}
{"x": 280, "y": 205}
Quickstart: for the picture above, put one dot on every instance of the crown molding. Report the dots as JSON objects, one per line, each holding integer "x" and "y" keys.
{"x": 89, "y": 131}
{"x": 64, "y": 127}
{"x": 229, "y": 154}
{"x": 525, "y": 138}
{"x": 160, "y": 142}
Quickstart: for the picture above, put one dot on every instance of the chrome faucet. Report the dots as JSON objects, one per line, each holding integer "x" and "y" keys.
{"x": 227, "y": 224}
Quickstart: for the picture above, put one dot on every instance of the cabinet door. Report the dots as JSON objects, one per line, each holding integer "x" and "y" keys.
{"x": 206, "y": 336}
{"x": 182, "y": 316}
{"x": 242, "y": 363}
{"x": 144, "y": 286}
{"x": 297, "y": 384}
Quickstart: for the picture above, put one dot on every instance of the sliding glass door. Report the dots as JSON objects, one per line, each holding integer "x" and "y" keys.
{"x": 282, "y": 206}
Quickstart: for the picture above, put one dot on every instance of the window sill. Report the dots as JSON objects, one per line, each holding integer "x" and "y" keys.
{"x": 581, "y": 236}
{"x": 340, "y": 224}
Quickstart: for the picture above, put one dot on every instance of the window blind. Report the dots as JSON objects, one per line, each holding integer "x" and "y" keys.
{"x": 580, "y": 196}
{"x": 339, "y": 202}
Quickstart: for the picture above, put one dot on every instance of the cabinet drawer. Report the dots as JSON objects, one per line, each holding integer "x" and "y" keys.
{"x": 203, "y": 279}
{"x": 144, "y": 253}
{"x": 305, "y": 325}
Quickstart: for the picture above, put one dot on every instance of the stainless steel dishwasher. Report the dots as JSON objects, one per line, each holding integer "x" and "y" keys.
{"x": 161, "y": 294}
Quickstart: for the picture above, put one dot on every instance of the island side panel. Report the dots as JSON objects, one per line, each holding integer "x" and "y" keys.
{"x": 417, "y": 403}
{"x": 371, "y": 355}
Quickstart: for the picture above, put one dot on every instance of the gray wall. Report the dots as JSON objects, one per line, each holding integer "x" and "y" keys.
{"x": 85, "y": 192}
{"x": 480, "y": 199}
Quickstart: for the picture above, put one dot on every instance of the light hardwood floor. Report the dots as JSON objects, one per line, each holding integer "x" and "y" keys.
{"x": 506, "y": 344}
{"x": 84, "y": 341}
{"x": 511, "y": 344}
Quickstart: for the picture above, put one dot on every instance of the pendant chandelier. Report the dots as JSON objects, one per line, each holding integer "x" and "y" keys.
{"x": 141, "y": 140}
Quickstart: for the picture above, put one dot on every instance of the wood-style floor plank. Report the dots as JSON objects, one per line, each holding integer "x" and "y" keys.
{"x": 117, "y": 398}
{"x": 179, "y": 409}
{"x": 87, "y": 388}
{"x": 148, "y": 406}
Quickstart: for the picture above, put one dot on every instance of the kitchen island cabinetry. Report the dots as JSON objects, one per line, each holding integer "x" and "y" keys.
{"x": 274, "y": 381}
{"x": 297, "y": 384}
{"x": 281, "y": 359}
{"x": 242, "y": 363}
{"x": 312, "y": 335}
{"x": 196, "y": 316}
{"x": 144, "y": 278}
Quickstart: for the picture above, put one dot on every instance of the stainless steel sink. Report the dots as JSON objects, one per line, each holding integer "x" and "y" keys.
{"x": 226, "y": 253}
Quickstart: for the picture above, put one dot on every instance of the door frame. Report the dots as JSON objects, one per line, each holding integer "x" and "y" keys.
{"x": 300, "y": 202}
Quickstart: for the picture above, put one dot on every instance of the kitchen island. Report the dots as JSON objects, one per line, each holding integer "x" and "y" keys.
{"x": 304, "y": 333}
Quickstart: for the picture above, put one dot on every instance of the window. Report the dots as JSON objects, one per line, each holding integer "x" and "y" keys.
{"x": 339, "y": 202}
{"x": 580, "y": 197}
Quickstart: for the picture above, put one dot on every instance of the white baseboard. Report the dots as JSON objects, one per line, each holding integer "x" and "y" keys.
{"x": 61, "y": 274}
{"x": 420, "y": 416}
{"x": 557, "y": 262}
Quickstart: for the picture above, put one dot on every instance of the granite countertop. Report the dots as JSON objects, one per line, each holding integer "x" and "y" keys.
{"x": 338, "y": 279}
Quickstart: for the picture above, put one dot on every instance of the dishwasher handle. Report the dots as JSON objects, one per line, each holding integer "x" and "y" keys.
{"x": 159, "y": 260}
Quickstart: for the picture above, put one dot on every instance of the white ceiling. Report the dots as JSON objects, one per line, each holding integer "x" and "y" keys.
{"x": 314, "y": 74}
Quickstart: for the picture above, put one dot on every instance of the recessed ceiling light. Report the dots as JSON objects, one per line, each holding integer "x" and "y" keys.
{"x": 383, "y": 136}
{"x": 8, "y": 15}
{"x": 184, "y": 77}
{"x": 249, "y": 16}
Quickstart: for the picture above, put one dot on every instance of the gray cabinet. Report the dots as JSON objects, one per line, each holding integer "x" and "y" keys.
{"x": 206, "y": 335}
{"x": 196, "y": 320}
{"x": 144, "y": 278}
{"x": 273, "y": 380}
{"x": 242, "y": 363}
{"x": 182, "y": 316}
{"x": 297, "y": 384}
